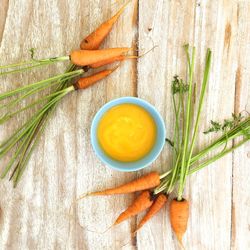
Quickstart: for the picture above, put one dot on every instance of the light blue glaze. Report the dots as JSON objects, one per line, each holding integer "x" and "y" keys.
{"x": 150, "y": 157}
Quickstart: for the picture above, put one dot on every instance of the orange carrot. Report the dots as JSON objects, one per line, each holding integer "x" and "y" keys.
{"x": 141, "y": 203}
{"x": 94, "y": 40}
{"x": 154, "y": 209}
{"x": 179, "y": 213}
{"x": 148, "y": 181}
{"x": 88, "y": 57}
{"x": 119, "y": 58}
{"x": 85, "y": 82}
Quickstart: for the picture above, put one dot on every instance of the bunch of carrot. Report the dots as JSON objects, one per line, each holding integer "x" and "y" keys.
{"x": 155, "y": 188}
{"x": 89, "y": 56}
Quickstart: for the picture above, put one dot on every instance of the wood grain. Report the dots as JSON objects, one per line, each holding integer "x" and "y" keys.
{"x": 36, "y": 214}
{"x": 3, "y": 14}
{"x": 155, "y": 73}
{"x": 241, "y": 157}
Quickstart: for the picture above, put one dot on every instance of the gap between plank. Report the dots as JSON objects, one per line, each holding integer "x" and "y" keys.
{"x": 3, "y": 16}
{"x": 236, "y": 111}
{"x": 135, "y": 93}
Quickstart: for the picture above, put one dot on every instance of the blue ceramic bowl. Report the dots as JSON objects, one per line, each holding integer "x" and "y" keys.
{"x": 135, "y": 165}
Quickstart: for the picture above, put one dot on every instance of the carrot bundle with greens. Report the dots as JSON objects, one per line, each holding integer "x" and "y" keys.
{"x": 91, "y": 42}
{"x": 76, "y": 57}
{"x": 27, "y": 136}
{"x": 179, "y": 207}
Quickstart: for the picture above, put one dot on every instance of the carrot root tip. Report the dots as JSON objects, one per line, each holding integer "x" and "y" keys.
{"x": 133, "y": 234}
{"x": 83, "y": 196}
{"x": 180, "y": 242}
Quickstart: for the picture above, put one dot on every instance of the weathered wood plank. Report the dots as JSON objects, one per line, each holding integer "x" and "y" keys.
{"x": 35, "y": 215}
{"x": 162, "y": 23}
{"x": 3, "y": 12}
{"x": 241, "y": 157}
{"x": 205, "y": 24}
{"x": 100, "y": 213}
{"x": 210, "y": 189}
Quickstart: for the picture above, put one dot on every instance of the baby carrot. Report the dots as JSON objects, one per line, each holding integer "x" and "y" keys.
{"x": 94, "y": 40}
{"x": 158, "y": 204}
{"x": 85, "y": 82}
{"x": 148, "y": 181}
{"x": 119, "y": 58}
{"x": 88, "y": 57}
{"x": 179, "y": 213}
{"x": 141, "y": 203}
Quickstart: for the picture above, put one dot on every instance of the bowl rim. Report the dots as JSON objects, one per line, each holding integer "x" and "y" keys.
{"x": 117, "y": 101}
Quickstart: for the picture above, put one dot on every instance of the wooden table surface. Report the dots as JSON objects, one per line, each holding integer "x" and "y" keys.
{"x": 35, "y": 214}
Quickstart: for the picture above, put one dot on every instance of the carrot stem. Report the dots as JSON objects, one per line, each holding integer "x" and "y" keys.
{"x": 217, "y": 156}
{"x": 174, "y": 174}
{"x": 44, "y": 98}
{"x": 176, "y": 128}
{"x": 21, "y": 163}
{"x": 38, "y": 84}
{"x": 26, "y": 129}
{"x": 31, "y": 64}
{"x": 184, "y": 173}
{"x": 34, "y": 140}
{"x": 27, "y": 94}
{"x": 165, "y": 174}
{"x": 201, "y": 101}
{"x": 188, "y": 118}
{"x": 231, "y": 134}
{"x": 37, "y": 122}
{"x": 243, "y": 129}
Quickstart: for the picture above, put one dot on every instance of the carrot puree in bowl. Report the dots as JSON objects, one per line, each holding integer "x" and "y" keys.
{"x": 127, "y": 132}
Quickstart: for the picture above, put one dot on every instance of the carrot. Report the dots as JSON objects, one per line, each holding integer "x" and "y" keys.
{"x": 88, "y": 57}
{"x": 159, "y": 202}
{"x": 179, "y": 213}
{"x": 119, "y": 58}
{"x": 141, "y": 203}
{"x": 94, "y": 40}
{"x": 85, "y": 82}
{"x": 148, "y": 181}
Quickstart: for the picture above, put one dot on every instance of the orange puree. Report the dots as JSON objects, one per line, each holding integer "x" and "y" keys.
{"x": 127, "y": 132}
